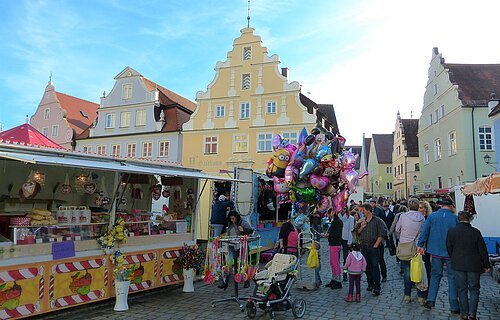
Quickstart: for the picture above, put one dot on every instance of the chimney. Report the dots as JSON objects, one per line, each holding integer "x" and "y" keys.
{"x": 284, "y": 72}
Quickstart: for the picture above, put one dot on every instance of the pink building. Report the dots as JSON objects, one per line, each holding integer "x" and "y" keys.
{"x": 62, "y": 117}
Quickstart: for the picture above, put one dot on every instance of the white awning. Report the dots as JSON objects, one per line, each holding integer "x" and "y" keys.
{"x": 66, "y": 159}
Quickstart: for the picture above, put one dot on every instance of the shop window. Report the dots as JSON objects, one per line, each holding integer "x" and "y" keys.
{"x": 485, "y": 138}
{"x": 131, "y": 150}
{"x": 147, "y": 149}
{"x": 211, "y": 145}
{"x": 164, "y": 149}
{"x": 240, "y": 143}
{"x": 264, "y": 142}
{"x": 125, "y": 119}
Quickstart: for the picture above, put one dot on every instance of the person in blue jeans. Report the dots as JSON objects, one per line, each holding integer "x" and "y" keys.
{"x": 469, "y": 258}
{"x": 433, "y": 240}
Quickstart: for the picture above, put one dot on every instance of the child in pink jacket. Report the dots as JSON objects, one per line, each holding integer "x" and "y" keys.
{"x": 355, "y": 265}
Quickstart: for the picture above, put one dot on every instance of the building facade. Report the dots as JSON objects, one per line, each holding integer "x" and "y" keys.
{"x": 380, "y": 180}
{"x": 494, "y": 115}
{"x": 62, "y": 117}
{"x": 454, "y": 131}
{"x": 138, "y": 119}
{"x": 405, "y": 159}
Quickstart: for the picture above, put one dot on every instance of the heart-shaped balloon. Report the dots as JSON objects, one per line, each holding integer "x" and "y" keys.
{"x": 319, "y": 182}
{"x": 90, "y": 187}
{"x": 66, "y": 188}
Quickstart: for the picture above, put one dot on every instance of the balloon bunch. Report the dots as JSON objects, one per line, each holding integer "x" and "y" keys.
{"x": 317, "y": 173}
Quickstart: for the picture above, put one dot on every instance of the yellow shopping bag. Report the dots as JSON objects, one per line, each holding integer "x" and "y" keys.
{"x": 313, "y": 259}
{"x": 416, "y": 268}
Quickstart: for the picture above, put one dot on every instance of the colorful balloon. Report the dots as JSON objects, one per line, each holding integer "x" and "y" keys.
{"x": 350, "y": 178}
{"x": 340, "y": 200}
{"x": 307, "y": 168}
{"x": 305, "y": 194}
{"x": 280, "y": 185}
{"x": 277, "y": 164}
{"x": 291, "y": 173}
{"x": 319, "y": 182}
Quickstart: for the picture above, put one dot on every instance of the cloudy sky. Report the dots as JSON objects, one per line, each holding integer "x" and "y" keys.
{"x": 368, "y": 58}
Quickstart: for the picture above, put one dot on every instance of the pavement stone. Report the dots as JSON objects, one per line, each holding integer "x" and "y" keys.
{"x": 171, "y": 303}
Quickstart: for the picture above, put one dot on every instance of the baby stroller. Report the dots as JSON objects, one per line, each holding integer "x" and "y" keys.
{"x": 272, "y": 288}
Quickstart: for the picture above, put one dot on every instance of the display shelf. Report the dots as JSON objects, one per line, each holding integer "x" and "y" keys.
{"x": 62, "y": 225}
{"x": 60, "y": 232}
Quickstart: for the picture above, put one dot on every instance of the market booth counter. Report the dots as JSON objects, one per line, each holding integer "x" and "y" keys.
{"x": 50, "y": 258}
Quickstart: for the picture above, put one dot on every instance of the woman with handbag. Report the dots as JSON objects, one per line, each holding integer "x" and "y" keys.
{"x": 409, "y": 226}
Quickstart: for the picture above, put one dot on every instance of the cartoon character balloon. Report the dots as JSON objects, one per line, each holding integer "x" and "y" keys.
{"x": 277, "y": 164}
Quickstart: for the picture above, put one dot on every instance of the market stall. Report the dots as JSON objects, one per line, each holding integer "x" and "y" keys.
{"x": 54, "y": 204}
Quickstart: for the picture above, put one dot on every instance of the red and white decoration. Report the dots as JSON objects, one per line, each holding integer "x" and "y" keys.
{"x": 173, "y": 254}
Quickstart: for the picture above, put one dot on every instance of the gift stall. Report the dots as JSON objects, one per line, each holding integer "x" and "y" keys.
{"x": 65, "y": 215}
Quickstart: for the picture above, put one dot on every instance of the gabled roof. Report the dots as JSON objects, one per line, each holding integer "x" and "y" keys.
{"x": 410, "y": 130}
{"x": 495, "y": 111}
{"x": 76, "y": 109}
{"x": 322, "y": 111}
{"x": 355, "y": 150}
{"x": 368, "y": 145}
{"x": 28, "y": 135}
{"x": 169, "y": 98}
{"x": 384, "y": 143}
{"x": 476, "y": 82}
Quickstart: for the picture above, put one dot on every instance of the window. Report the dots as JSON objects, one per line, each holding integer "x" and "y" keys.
{"x": 271, "y": 107}
{"x": 485, "y": 138}
{"x": 264, "y": 142}
{"x": 87, "y": 149}
{"x": 101, "y": 150}
{"x": 442, "y": 111}
{"x": 458, "y": 180}
{"x": 426, "y": 154}
{"x": 211, "y": 145}
{"x": 164, "y": 148}
{"x": 291, "y": 137}
{"x": 389, "y": 170}
{"x": 431, "y": 118}
{"x": 452, "y": 141}
{"x": 435, "y": 88}
{"x": 436, "y": 114}
{"x": 398, "y": 172}
{"x": 220, "y": 111}
{"x": 450, "y": 182}
{"x": 417, "y": 167}
{"x": 240, "y": 143}
{"x": 127, "y": 91}
{"x": 46, "y": 114}
{"x": 45, "y": 131}
{"x": 125, "y": 119}
{"x": 440, "y": 182}
{"x": 84, "y": 114}
{"x": 245, "y": 110}
{"x": 245, "y": 81}
{"x": 437, "y": 149}
{"x": 131, "y": 150}
{"x": 115, "y": 150}
{"x": 398, "y": 150}
{"x": 110, "y": 120}
{"x": 140, "y": 118}
{"x": 147, "y": 149}
{"x": 389, "y": 185}
{"x": 55, "y": 131}
{"x": 247, "y": 53}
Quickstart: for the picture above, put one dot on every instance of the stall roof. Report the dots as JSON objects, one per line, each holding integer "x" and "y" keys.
{"x": 67, "y": 159}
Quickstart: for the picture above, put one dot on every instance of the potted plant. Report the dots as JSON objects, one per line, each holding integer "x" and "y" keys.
{"x": 189, "y": 259}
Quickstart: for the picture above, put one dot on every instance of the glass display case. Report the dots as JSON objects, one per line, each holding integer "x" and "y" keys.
{"x": 56, "y": 233}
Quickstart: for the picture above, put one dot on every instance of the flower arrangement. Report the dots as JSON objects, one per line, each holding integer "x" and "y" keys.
{"x": 120, "y": 272}
{"x": 112, "y": 235}
{"x": 190, "y": 256}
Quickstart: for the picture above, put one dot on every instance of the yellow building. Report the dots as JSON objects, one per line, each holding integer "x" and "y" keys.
{"x": 248, "y": 102}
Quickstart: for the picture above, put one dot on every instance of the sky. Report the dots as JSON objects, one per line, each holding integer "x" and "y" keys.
{"x": 368, "y": 58}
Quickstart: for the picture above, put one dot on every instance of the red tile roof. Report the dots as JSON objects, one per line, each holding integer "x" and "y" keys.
{"x": 476, "y": 82}
{"x": 74, "y": 108}
{"x": 168, "y": 97}
{"x": 26, "y": 134}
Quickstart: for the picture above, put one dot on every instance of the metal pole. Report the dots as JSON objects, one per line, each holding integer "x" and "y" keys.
{"x": 406, "y": 178}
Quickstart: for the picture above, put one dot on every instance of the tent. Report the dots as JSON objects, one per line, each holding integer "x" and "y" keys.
{"x": 25, "y": 134}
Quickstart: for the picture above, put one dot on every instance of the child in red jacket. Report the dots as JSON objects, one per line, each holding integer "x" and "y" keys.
{"x": 355, "y": 264}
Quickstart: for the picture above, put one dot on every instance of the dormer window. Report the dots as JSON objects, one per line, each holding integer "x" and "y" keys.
{"x": 127, "y": 91}
{"x": 247, "y": 53}
{"x": 84, "y": 114}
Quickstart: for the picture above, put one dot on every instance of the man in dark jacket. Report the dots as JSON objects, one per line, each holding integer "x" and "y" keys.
{"x": 220, "y": 210}
{"x": 469, "y": 258}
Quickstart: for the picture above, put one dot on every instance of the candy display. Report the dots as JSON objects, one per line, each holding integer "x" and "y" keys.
{"x": 317, "y": 173}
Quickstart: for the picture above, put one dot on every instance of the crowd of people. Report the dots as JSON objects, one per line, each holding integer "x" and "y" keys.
{"x": 362, "y": 232}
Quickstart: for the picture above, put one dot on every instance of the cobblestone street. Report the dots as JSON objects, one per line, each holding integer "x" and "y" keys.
{"x": 172, "y": 303}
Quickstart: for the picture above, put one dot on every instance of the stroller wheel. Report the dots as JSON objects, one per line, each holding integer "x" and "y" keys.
{"x": 298, "y": 308}
{"x": 251, "y": 309}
